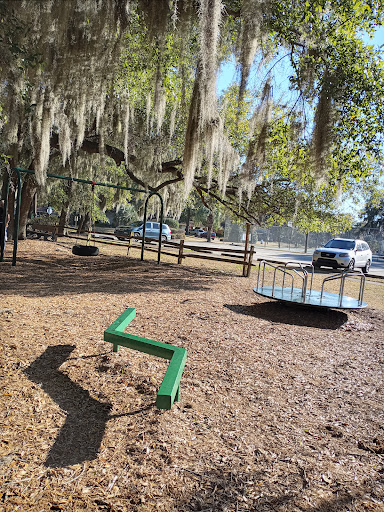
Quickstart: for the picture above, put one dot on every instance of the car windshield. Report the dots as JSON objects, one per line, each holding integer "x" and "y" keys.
{"x": 341, "y": 244}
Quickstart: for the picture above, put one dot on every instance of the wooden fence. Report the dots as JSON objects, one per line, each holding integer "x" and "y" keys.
{"x": 180, "y": 250}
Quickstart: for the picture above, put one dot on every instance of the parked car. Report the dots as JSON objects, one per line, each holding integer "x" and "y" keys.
{"x": 152, "y": 230}
{"x": 196, "y": 231}
{"x": 123, "y": 231}
{"x": 103, "y": 236}
{"x": 204, "y": 234}
{"x": 343, "y": 253}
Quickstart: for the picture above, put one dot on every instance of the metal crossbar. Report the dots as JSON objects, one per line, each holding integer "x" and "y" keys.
{"x": 305, "y": 295}
{"x": 342, "y": 277}
{"x": 170, "y": 387}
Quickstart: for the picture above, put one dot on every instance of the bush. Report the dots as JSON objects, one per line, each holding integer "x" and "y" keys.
{"x": 178, "y": 233}
{"x": 45, "y": 220}
{"x": 172, "y": 223}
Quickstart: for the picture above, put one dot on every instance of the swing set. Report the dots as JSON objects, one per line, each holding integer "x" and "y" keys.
{"x": 18, "y": 172}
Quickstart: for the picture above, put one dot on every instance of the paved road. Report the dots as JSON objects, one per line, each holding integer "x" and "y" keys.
{"x": 377, "y": 268}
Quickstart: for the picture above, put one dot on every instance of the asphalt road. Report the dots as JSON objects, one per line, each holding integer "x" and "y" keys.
{"x": 262, "y": 252}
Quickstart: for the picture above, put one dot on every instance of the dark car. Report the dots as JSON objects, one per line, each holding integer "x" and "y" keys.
{"x": 122, "y": 232}
{"x": 204, "y": 234}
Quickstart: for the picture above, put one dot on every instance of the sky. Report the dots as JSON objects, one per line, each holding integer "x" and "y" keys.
{"x": 228, "y": 71}
{"x": 228, "y": 75}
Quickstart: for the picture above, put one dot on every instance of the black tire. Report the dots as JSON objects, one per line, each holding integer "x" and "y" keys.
{"x": 351, "y": 264}
{"x": 316, "y": 265}
{"x": 136, "y": 235}
{"x": 163, "y": 238}
{"x": 367, "y": 267}
{"x": 85, "y": 250}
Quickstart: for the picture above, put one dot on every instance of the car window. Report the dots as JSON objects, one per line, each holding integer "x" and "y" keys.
{"x": 156, "y": 225}
{"x": 148, "y": 225}
{"x": 365, "y": 246}
{"x": 340, "y": 244}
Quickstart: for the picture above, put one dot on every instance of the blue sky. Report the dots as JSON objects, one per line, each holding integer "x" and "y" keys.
{"x": 228, "y": 74}
{"x": 228, "y": 71}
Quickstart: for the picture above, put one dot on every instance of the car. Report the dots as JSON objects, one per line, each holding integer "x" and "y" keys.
{"x": 103, "y": 236}
{"x": 204, "y": 234}
{"x": 343, "y": 253}
{"x": 152, "y": 230}
{"x": 122, "y": 232}
{"x": 196, "y": 231}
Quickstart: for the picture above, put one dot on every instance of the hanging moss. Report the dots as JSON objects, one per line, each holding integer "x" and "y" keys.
{"x": 322, "y": 133}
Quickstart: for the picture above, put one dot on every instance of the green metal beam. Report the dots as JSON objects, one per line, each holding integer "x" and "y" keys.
{"x": 177, "y": 356}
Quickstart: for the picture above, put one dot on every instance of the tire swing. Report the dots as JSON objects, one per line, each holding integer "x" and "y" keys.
{"x": 85, "y": 250}
{"x": 88, "y": 250}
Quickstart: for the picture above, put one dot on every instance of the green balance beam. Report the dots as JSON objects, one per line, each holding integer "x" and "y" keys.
{"x": 177, "y": 356}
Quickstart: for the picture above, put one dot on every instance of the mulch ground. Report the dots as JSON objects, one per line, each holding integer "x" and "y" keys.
{"x": 281, "y": 408}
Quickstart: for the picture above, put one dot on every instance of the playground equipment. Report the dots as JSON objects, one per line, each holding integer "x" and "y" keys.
{"x": 305, "y": 295}
{"x": 18, "y": 172}
{"x": 170, "y": 387}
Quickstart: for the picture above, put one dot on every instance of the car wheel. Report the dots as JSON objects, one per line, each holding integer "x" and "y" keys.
{"x": 163, "y": 238}
{"x": 316, "y": 265}
{"x": 136, "y": 235}
{"x": 85, "y": 250}
{"x": 367, "y": 267}
{"x": 351, "y": 264}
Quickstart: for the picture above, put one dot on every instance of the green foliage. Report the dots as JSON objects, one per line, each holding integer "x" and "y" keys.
{"x": 295, "y": 158}
{"x": 45, "y": 220}
{"x": 172, "y": 223}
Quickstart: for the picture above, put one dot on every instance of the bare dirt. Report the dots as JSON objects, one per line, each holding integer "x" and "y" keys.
{"x": 281, "y": 408}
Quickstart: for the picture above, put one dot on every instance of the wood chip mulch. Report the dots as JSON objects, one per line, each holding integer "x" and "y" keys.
{"x": 281, "y": 408}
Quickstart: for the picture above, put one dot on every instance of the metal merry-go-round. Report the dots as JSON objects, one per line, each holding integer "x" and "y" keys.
{"x": 277, "y": 281}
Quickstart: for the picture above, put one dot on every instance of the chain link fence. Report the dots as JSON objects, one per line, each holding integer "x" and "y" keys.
{"x": 290, "y": 238}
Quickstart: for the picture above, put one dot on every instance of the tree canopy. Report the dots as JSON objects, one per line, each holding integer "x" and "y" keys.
{"x": 135, "y": 81}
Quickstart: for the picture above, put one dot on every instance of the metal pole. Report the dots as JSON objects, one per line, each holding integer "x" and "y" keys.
{"x": 17, "y": 217}
{"x": 248, "y": 227}
{"x": 161, "y": 224}
{"x": 89, "y": 182}
{"x": 3, "y": 226}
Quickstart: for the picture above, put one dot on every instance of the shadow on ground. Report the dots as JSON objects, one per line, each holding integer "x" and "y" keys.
{"x": 80, "y": 437}
{"x": 292, "y": 314}
{"x": 64, "y": 275}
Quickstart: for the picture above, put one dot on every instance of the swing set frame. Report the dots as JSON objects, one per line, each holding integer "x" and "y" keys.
{"x": 19, "y": 171}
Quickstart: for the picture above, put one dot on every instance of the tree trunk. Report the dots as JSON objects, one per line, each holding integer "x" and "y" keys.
{"x": 11, "y": 207}
{"x": 188, "y": 221}
{"x": 28, "y": 192}
{"x": 83, "y": 222}
{"x": 209, "y": 225}
{"x": 65, "y": 210}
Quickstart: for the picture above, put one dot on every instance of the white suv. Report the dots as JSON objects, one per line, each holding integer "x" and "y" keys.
{"x": 343, "y": 253}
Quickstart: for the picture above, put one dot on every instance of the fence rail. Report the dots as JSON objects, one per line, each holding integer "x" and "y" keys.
{"x": 181, "y": 250}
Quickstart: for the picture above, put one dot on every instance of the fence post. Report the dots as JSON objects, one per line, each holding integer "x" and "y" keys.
{"x": 129, "y": 243}
{"x": 248, "y": 228}
{"x": 251, "y": 253}
{"x": 181, "y": 249}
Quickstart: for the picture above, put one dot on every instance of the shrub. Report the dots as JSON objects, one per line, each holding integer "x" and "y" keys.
{"x": 178, "y": 233}
{"x": 45, "y": 220}
{"x": 172, "y": 223}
